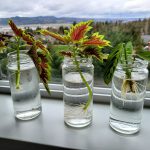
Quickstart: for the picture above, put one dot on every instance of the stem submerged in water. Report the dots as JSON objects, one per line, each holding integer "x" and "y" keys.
{"x": 127, "y": 71}
{"x": 86, "y": 83}
{"x": 18, "y": 65}
{"x": 128, "y": 84}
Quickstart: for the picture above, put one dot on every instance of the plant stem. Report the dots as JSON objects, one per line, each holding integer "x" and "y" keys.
{"x": 18, "y": 64}
{"x": 127, "y": 71}
{"x": 128, "y": 84}
{"x": 86, "y": 83}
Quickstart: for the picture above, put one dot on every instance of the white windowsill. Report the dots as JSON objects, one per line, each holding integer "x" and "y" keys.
{"x": 100, "y": 95}
{"x": 49, "y": 129}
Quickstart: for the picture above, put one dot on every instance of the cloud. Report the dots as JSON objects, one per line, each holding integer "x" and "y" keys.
{"x": 74, "y": 8}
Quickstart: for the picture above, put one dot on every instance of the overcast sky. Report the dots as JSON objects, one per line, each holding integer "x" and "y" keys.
{"x": 75, "y": 8}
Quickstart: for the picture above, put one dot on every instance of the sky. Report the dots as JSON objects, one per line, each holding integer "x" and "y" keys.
{"x": 75, "y": 8}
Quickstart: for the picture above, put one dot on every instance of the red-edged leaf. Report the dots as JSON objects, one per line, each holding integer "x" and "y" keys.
{"x": 43, "y": 65}
{"x": 66, "y": 53}
{"x": 94, "y": 51}
{"x": 78, "y": 31}
{"x": 31, "y": 41}
{"x": 41, "y": 46}
{"x": 33, "y": 54}
{"x": 28, "y": 38}
{"x": 54, "y": 35}
{"x": 41, "y": 57}
{"x": 18, "y": 32}
{"x": 91, "y": 51}
{"x": 96, "y": 40}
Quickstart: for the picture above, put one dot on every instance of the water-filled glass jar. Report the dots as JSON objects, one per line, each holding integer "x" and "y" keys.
{"x": 127, "y": 96}
{"x": 26, "y": 98}
{"x": 76, "y": 93}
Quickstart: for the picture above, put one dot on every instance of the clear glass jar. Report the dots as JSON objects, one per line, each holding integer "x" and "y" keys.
{"x": 127, "y": 97}
{"x": 76, "y": 94}
{"x": 26, "y": 98}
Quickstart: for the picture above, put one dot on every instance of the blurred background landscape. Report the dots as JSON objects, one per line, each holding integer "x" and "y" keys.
{"x": 119, "y": 21}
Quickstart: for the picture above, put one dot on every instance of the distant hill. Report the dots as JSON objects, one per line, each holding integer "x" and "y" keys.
{"x": 39, "y": 20}
{"x": 52, "y": 19}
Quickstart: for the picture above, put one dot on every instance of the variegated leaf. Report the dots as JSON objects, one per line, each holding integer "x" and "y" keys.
{"x": 28, "y": 38}
{"x": 39, "y": 54}
{"x": 96, "y": 40}
{"x": 66, "y": 53}
{"x": 41, "y": 46}
{"x": 54, "y": 35}
{"x": 95, "y": 52}
{"x": 43, "y": 65}
{"x": 18, "y": 32}
{"x": 78, "y": 31}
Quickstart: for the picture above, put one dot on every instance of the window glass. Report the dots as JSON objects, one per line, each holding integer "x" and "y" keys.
{"x": 119, "y": 21}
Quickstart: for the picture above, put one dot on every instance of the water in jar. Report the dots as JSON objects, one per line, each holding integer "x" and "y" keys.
{"x": 26, "y": 99}
{"x": 75, "y": 97}
{"x": 126, "y": 110}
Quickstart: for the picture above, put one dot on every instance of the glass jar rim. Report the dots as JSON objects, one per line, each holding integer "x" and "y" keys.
{"x": 24, "y": 57}
{"x": 14, "y": 53}
{"x": 137, "y": 63}
{"x": 79, "y": 59}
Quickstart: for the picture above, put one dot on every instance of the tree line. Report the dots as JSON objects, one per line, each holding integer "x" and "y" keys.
{"x": 116, "y": 32}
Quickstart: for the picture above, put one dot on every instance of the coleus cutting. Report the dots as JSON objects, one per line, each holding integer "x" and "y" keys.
{"x": 38, "y": 52}
{"x": 81, "y": 44}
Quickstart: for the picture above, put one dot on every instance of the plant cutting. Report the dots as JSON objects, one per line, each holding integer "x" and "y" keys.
{"x": 25, "y": 68}
{"x": 81, "y": 44}
{"x": 123, "y": 53}
{"x": 129, "y": 80}
{"x": 78, "y": 70}
{"x": 38, "y": 52}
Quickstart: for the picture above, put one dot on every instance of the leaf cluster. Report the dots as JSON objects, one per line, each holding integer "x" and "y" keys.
{"x": 122, "y": 53}
{"x": 78, "y": 38}
{"x": 38, "y": 52}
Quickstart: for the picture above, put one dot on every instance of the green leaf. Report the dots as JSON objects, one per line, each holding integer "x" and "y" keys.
{"x": 128, "y": 50}
{"x": 144, "y": 54}
{"x": 112, "y": 62}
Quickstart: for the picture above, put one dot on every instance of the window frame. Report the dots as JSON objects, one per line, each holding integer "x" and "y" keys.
{"x": 100, "y": 94}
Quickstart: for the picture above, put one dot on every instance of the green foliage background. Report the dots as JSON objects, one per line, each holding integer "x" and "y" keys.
{"x": 116, "y": 32}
